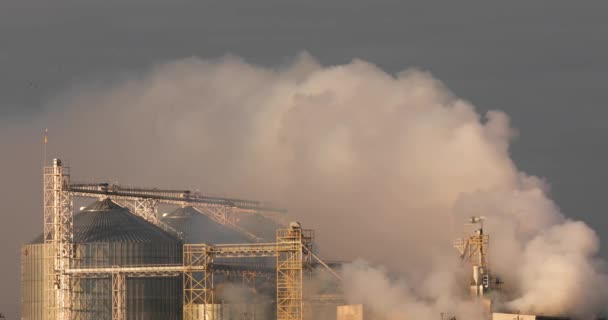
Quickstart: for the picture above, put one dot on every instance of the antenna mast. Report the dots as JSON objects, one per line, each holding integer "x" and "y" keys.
{"x": 474, "y": 250}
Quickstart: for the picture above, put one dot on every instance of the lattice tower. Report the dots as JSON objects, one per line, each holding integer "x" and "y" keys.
{"x": 58, "y": 237}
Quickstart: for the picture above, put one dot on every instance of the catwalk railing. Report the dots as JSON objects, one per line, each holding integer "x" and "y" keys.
{"x": 198, "y": 270}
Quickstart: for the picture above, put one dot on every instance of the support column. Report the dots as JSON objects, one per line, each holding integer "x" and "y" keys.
{"x": 226, "y": 216}
{"x": 119, "y": 296}
{"x": 143, "y": 207}
{"x": 199, "y": 301}
{"x": 290, "y": 259}
{"x": 147, "y": 209}
{"x": 58, "y": 237}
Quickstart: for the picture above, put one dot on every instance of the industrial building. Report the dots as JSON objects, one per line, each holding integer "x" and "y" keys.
{"x": 106, "y": 235}
{"x": 117, "y": 258}
{"x": 209, "y": 258}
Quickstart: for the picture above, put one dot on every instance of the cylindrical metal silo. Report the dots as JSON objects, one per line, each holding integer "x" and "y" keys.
{"x": 106, "y": 235}
{"x": 246, "y": 302}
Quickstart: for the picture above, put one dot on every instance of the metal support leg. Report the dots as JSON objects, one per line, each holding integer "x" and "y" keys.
{"x": 58, "y": 238}
{"x": 199, "y": 302}
{"x": 119, "y": 296}
{"x": 143, "y": 207}
{"x": 147, "y": 209}
{"x": 224, "y": 216}
{"x": 289, "y": 275}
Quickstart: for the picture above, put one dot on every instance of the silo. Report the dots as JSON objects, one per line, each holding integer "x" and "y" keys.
{"x": 198, "y": 228}
{"x": 234, "y": 301}
{"x": 106, "y": 235}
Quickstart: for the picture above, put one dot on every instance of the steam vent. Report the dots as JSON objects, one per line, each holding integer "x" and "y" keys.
{"x": 106, "y": 235}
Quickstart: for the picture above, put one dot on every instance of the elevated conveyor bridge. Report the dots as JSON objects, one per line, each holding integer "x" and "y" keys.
{"x": 292, "y": 250}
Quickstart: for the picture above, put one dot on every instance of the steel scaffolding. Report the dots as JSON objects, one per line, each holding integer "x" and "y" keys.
{"x": 292, "y": 250}
{"x": 143, "y": 202}
{"x": 198, "y": 271}
{"x": 58, "y": 235}
{"x": 198, "y": 281}
{"x": 226, "y": 216}
{"x": 119, "y": 296}
{"x": 294, "y": 247}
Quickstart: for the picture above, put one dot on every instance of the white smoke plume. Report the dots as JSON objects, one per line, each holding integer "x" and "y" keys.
{"x": 390, "y": 298}
{"x": 384, "y": 167}
{"x": 239, "y": 302}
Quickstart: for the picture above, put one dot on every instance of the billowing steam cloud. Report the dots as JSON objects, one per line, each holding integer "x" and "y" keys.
{"x": 384, "y": 167}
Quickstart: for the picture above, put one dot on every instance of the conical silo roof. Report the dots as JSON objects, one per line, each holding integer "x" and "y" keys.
{"x": 106, "y": 221}
{"x": 198, "y": 228}
{"x": 260, "y": 226}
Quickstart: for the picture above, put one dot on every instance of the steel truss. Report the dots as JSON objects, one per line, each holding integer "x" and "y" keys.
{"x": 119, "y": 296}
{"x": 474, "y": 249}
{"x": 143, "y": 202}
{"x": 198, "y": 271}
{"x": 147, "y": 209}
{"x": 58, "y": 235}
{"x": 198, "y": 281}
{"x": 226, "y": 216}
{"x": 292, "y": 249}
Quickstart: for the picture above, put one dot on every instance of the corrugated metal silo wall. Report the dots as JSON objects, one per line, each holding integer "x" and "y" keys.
{"x": 32, "y": 281}
{"x": 147, "y": 298}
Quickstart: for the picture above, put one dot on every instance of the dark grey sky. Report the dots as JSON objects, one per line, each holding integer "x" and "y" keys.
{"x": 542, "y": 62}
